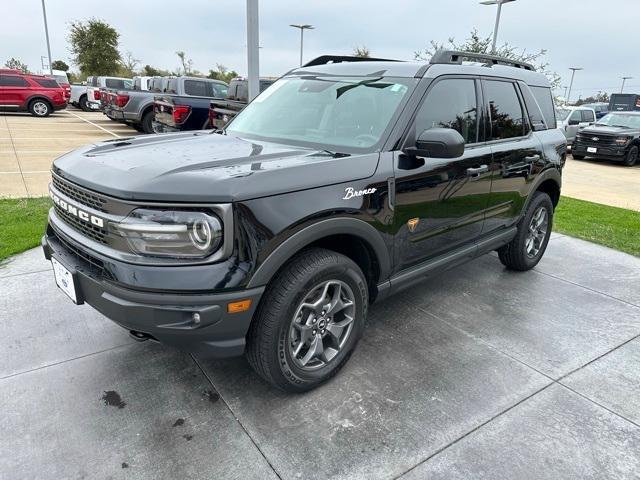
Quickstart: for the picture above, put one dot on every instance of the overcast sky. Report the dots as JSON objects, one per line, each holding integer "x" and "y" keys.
{"x": 580, "y": 33}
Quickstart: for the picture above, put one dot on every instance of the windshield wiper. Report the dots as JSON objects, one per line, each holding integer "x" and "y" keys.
{"x": 336, "y": 154}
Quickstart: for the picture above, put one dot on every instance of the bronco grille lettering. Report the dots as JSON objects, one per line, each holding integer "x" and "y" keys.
{"x": 76, "y": 212}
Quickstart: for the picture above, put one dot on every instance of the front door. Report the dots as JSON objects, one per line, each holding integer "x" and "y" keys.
{"x": 12, "y": 90}
{"x": 440, "y": 203}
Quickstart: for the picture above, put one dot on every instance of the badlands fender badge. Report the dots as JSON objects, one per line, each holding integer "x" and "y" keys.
{"x": 350, "y": 192}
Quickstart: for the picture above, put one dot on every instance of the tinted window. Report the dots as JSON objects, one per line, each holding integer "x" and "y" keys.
{"x": 47, "y": 82}
{"x": 197, "y": 88}
{"x": 505, "y": 111}
{"x": 545, "y": 102}
{"x": 533, "y": 110}
{"x": 12, "y": 81}
{"x": 450, "y": 104}
{"x": 588, "y": 116}
{"x": 114, "y": 83}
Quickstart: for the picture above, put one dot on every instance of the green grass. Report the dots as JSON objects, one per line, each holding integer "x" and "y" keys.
{"x": 610, "y": 226}
{"x": 22, "y": 224}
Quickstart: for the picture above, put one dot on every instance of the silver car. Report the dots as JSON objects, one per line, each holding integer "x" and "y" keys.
{"x": 572, "y": 119}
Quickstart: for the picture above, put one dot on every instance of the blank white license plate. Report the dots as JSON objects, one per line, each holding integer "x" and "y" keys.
{"x": 592, "y": 150}
{"x": 64, "y": 279}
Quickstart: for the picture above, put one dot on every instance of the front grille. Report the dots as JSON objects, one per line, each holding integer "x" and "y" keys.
{"x": 79, "y": 195}
{"x": 96, "y": 266}
{"x": 87, "y": 229}
{"x": 602, "y": 140}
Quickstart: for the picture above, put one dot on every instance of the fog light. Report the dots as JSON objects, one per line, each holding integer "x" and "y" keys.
{"x": 237, "y": 307}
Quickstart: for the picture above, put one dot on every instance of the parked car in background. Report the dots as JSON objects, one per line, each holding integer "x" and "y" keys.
{"x": 37, "y": 94}
{"x": 222, "y": 111}
{"x": 600, "y": 108}
{"x": 624, "y": 102}
{"x": 572, "y": 119}
{"x": 79, "y": 96}
{"x": 96, "y": 83}
{"x": 615, "y": 137}
{"x": 61, "y": 77}
{"x": 140, "y": 83}
{"x": 185, "y": 104}
{"x": 135, "y": 107}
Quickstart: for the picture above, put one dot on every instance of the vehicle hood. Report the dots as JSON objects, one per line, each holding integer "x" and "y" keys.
{"x": 593, "y": 130}
{"x": 205, "y": 167}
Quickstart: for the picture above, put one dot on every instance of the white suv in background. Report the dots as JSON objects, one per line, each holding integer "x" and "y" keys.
{"x": 572, "y": 119}
{"x": 94, "y": 84}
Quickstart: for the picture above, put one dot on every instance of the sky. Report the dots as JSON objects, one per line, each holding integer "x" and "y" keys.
{"x": 575, "y": 33}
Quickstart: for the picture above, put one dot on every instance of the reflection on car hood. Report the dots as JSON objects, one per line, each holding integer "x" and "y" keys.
{"x": 204, "y": 167}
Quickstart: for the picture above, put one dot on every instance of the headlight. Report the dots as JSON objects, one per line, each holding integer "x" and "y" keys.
{"x": 622, "y": 140}
{"x": 171, "y": 233}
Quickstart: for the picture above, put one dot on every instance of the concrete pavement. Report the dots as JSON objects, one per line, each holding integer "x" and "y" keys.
{"x": 480, "y": 373}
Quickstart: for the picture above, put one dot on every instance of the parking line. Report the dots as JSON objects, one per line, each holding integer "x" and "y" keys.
{"x": 94, "y": 124}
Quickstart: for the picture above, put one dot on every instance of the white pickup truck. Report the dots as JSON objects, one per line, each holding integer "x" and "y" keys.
{"x": 94, "y": 84}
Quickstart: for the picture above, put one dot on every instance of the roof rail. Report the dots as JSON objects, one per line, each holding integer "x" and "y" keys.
{"x": 324, "y": 59}
{"x": 456, "y": 57}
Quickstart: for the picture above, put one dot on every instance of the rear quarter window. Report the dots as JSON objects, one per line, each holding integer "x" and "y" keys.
{"x": 47, "y": 82}
{"x": 545, "y": 102}
{"x": 197, "y": 88}
{"x": 114, "y": 83}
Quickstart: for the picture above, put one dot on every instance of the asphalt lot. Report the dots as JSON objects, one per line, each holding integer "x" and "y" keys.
{"x": 480, "y": 373}
{"x": 29, "y": 145}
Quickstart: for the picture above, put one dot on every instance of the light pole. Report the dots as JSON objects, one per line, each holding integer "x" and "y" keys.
{"x": 253, "y": 49}
{"x": 302, "y": 29}
{"x": 573, "y": 72}
{"x": 624, "y": 80}
{"x": 495, "y": 29}
{"x": 46, "y": 34}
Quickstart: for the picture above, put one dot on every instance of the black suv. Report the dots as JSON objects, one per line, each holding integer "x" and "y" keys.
{"x": 616, "y": 136}
{"x": 341, "y": 184}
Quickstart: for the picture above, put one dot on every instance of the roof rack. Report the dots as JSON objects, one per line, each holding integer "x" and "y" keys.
{"x": 324, "y": 59}
{"x": 456, "y": 57}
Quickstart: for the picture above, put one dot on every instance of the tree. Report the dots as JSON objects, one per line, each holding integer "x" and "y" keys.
{"x": 222, "y": 73}
{"x": 600, "y": 97}
{"x": 94, "y": 47}
{"x": 128, "y": 64}
{"x": 150, "y": 71}
{"x": 187, "y": 63}
{"x": 478, "y": 44}
{"x": 59, "y": 65}
{"x": 362, "y": 52}
{"x": 16, "y": 64}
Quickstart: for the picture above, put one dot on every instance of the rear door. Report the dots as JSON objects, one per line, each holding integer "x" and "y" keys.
{"x": 517, "y": 151}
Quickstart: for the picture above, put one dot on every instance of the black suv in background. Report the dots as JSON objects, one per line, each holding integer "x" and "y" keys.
{"x": 615, "y": 136}
{"x": 339, "y": 185}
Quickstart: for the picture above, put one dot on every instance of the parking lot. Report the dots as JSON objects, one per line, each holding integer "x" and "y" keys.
{"x": 29, "y": 145}
{"x": 480, "y": 373}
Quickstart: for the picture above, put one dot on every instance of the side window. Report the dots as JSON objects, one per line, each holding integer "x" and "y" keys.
{"x": 197, "y": 88}
{"x": 219, "y": 90}
{"x": 545, "y": 102}
{"x": 505, "y": 111}
{"x": 576, "y": 116}
{"x": 533, "y": 110}
{"x": 172, "y": 86}
{"x": 451, "y": 103}
{"x": 13, "y": 81}
{"x": 588, "y": 116}
{"x": 47, "y": 83}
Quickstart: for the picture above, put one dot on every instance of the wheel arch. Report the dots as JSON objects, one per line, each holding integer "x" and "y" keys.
{"x": 549, "y": 182}
{"x": 353, "y": 238}
{"x": 33, "y": 98}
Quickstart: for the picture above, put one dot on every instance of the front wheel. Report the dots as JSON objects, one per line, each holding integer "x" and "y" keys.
{"x": 84, "y": 105}
{"x": 528, "y": 246}
{"x": 309, "y": 322}
{"x": 632, "y": 156}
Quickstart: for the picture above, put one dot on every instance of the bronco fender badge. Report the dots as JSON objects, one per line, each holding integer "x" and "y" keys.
{"x": 350, "y": 192}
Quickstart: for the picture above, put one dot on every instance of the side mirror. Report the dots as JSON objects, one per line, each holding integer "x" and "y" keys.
{"x": 438, "y": 143}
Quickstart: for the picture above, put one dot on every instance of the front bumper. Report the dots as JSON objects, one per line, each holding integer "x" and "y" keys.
{"x": 163, "y": 316}
{"x": 609, "y": 152}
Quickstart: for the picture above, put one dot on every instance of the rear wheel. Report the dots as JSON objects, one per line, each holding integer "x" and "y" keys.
{"x": 40, "y": 108}
{"x": 632, "y": 156}
{"x": 527, "y": 248}
{"x": 147, "y": 122}
{"x": 83, "y": 103}
{"x": 310, "y": 320}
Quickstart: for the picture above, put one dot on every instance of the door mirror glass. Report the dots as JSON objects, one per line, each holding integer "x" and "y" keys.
{"x": 438, "y": 143}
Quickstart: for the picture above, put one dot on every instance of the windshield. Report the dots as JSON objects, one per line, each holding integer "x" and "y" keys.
{"x": 562, "y": 113}
{"x": 620, "y": 120}
{"x": 332, "y": 111}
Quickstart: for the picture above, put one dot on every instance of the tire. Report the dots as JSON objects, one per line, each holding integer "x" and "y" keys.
{"x": 40, "y": 108}
{"x": 147, "y": 122}
{"x": 84, "y": 106}
{"x": 137, "y": 127}
{"x": 275, "y": 348}
{"x": 631, "y": 157}
{"x": 520, "y": 254}
{"x": 577, "y": 157}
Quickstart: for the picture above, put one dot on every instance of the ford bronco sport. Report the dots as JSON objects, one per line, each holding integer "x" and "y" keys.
{"x": 339, "y": 185}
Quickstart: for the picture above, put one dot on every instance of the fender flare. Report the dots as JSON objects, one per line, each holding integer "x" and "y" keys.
{"x": 37, "y": 96}
{"x": 548, "y": 174}
{"x": 317, "y": 231}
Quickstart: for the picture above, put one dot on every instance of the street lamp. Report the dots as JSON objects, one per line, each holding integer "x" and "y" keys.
{"x": 253, "y": 49}
{"x": 302, "y": 29}
{"x": 573, "y": 72}
{"x": 624, "y": 80}
{"x": 46, "y": 33}
{"x": 495, "y": 29}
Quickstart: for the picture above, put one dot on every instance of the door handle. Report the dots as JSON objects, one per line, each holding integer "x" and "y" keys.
{"x": 476, "y": 171}
{"x": 532, "y": 158}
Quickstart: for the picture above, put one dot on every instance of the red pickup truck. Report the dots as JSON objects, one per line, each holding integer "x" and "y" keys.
{"x": 35, "y": 94}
